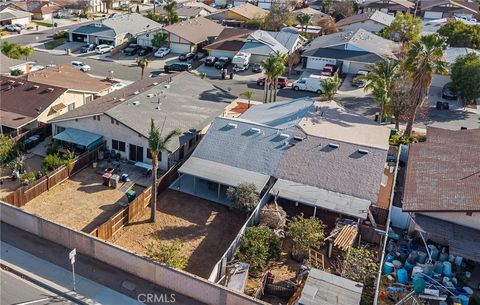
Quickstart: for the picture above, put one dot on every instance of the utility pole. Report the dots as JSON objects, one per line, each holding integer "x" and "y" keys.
{"x": 71, "y": 255}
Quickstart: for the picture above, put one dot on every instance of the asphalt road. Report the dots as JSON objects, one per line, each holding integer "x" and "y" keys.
{"x": 15, "y": 290}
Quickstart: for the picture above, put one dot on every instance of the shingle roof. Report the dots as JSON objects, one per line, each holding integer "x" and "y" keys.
{"x": 356, "y": 56}
{"x": 443, "y": 173}
{"x": 449, "y": 6}
{"x": 11, "y": 13}
{"x": 249, "y": 11}
{"x": 377, "y": 16}
{"x": 182, "y": 11}
{"x": 265, "y": 42}
{"x": 195, "y": 30}
{"x": 392, "y": 4}
{"x": 230, "y": 39}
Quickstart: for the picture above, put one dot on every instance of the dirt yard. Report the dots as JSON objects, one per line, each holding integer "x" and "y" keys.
{"x": 81, "y": 202}
{"x": 206, "y": 229}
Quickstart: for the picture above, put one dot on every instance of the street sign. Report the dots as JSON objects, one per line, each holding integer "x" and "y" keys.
{"x": 71, "y": 255}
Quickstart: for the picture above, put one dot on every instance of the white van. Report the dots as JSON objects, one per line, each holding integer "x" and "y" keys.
{"x": 103, "y": 48}
{"x": 311, "y": 83}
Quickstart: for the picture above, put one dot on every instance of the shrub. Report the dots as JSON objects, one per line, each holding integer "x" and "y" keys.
{"x": 258, "y": 246}
{"x": 51, "y": 163}
{"x": 398, "y": 139}
{"x": 52, "y": 149}
{"x": 61, "y": 34}
{"x": 16, "y": 72}
{"x": 28, "y": 177}
{"x": 244, "y": 197}
{"x": 170, "y": 254}
{"x": 305, "y": 233}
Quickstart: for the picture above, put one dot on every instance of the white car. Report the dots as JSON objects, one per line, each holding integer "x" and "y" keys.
{"x": 12, "y": 28}
{"x": 118, "y": 86}
{"x": 81, "y": 66}
{"x": 103, "y": 48}
{"x": 162, "y": 52}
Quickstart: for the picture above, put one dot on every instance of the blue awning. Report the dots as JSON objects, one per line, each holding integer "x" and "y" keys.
{"x": 79, "y": 137}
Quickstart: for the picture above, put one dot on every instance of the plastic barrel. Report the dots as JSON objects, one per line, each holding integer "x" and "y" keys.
{"x": 447, "y": 269}
{"x": 402, "y": 276}
{"x": 397, "y": 264}
{"x": 443, "y": 257}
{"x": 408, "y": 266}
{"x": 422, "y": 257}
{"x": 419, "y": 285}
{"x": 433, "y": 252}
{"x": 458, "y": 261}
{"x": 464, "y": 299}
{"x": 417, "y": 272}
{"x": 389, "y": 257}
{"x": 438, "y": 267}
{"x": 428, "y": 270}
{"x": 412, "y": 257}
{"x": 388, "y": 268}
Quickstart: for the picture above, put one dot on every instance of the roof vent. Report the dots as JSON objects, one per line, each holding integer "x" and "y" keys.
{"x": 297, "y": 138}
{"x": 50, "y": 89}
{"x": 150, "y": 95}
{"x": 363, "y": 151}
{"x": 35, "y": 86}
{"x": 284, "y": 135}
{"x": 136, "y": 92}
{"x": 232, "y": 125}
{"x": 256, "y": 130}
{"x": 155, "y": 83}
{"x": 136, "y": 103}
{"x": 122, "y": 100}
{"x": 333, "y": 145}
{"x": 167, "y": 86}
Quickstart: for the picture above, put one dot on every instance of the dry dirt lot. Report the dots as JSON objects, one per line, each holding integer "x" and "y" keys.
{"x": 206, "y": 229}
{"x": 81, "y": 202}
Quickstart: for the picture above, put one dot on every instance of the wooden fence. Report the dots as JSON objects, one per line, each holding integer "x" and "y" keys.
{"x": 380, "y": 215}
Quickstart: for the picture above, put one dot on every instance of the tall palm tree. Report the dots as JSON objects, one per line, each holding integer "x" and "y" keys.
{"x": 279, "y": 70}
{"x": 248, "y": 95}
{"x": 330, "y": 87}
{"x": 170, "y": 7}
{"x": 157, "y": 144}
{"x": 142, "y": 62}
{"x": 304, "y": 20}
{"x": 274, "y": 67}
{"x": 269, "y": 65}
{"x": 27, "y": 52}
{"x": 381, "y": 81}
{"x": 424, "y": 58}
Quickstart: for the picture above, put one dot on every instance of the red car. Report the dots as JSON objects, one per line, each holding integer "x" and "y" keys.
{"x": 328, "y": 70}
{"x": 281, "y": 83}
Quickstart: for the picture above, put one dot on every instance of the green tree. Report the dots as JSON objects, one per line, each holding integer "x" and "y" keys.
{"x": 460, "y": 34}
{"x": 8, "y": 151}
{"x": 157, "y": 143}
{"x": 51, "y": 163}
{"x": 155, "y": 17}
{"x": 159, "y": 39}
{"x": 170, "y": 7}
{"x": 244, "y": 197}
{"x": 27, "y": 52}
{"x": 330, "y": 86}
{"x": 169, "y": 254}
{"x": 142, "y": 62}
{"x": 11, "y": 50}
{"x": 279, "y": 16}
{"x": 466, "y": 76}
{"x": 424, "y": 58}
{"x": 274, "y": 66}
{"x": 305, "y": 233}
{"x": 248, "y": 95}
{"x": 304, "y": 20}
{"x": 405, "y": 28}
{"x": 381, "y": 81}
{"x": 258, "y": 246}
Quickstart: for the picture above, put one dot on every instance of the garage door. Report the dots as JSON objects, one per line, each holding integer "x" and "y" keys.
{"x": 79, "y": 37}
{"x": 219, "y": 53}
{"x": 179, "y": 48}
{"x": 433, "y": 15}
{"x": 353, "y": 67}
{"x": 317, "y": 63}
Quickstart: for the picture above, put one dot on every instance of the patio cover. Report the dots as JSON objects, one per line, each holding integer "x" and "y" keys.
{"x": 79, "y": 137}
{"x": 321, "y": 198}
{"x": 221, "y": 173}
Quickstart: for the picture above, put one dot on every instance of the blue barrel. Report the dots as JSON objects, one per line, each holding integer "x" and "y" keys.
{"x": 402, "y": 276}
{"x": 447, "y": 269}
{"x": 389, "y": 257}
{"x": 388, "y": 268}
{"x": 422, "y": 257}
{"x": 458, "y": 261}
{"x": 397, "y": 264}
{"x": 408, "y": 266}
{"x": 433, "y": 252}
{"x": 464, "y": 299}
{"x": 438, "y": 268}
{"x": 443, "y": 257}
{"x": 428, "y": 270}
{"x": 412, "y": 257}
{"x": 419, "y": 285}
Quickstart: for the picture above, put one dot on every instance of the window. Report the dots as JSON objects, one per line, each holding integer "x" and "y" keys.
{"x": 96, "y": 117}
{"x": 149, "y": 155}
{"x": 71, "y": 106}
{"x": 118, "y": 145}
{"x": 88, "y": 99}
{"x": 59, "y": 129}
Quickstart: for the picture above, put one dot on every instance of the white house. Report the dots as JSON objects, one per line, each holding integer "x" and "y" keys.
{"x": 372, "y": 21}
{"x": 9, "y": 15}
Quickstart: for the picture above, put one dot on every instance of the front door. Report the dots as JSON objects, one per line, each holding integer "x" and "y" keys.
{"x": 135, "y": 153}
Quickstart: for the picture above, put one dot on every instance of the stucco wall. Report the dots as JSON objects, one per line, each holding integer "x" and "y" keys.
{"x": 69, "y": 97}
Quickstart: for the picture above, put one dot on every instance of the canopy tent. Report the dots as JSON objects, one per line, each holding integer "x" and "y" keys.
{"x": 79, "y": 137}
{"x": 321, "y": 198}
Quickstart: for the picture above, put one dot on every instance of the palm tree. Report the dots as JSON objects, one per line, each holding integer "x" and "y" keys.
{"x": 170, "y": 7}
{"x": 381, "y": 81}
{"x": 330, "y": 87}
{"x": 424, "y": 58}
{"x": 279, "y": 70}
{"x": 27, "y": 52}
{"x": 157, "y": 144}
{"x": 269, "y": 65}
{"x": 248, "y": 95}
{"x": 142, "y": 62}
{"x": 274, "y": 67}
{"x": 304, "y": 20}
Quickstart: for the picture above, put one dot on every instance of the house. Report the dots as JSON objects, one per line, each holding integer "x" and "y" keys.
{"x": 316, "y": 14}
{"x": 10, "y": 15}
{"x": 387, "y": 6}
{"x": 202, "y": 5}
{"x": 41, "y": 10}
{"x": 185, "y": 12}
{"x": 442, "y": 189}
{"x": 192, "y": 35}
{"x": 114, "y": 30}
{"x": 261, "y": 43}
{"x": 314, "y": 154}
{"x": 32, "y": 100}
{"x": 244, "y": 13}
{"x": 229, "y": 42}
{"x": 123, "y": 116}
{"x": 372, "y": 21}
{"x": 351, "y": 51}
{"x": 435, "y": 9}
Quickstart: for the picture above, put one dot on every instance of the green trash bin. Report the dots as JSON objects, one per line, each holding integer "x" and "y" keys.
{"x": 131, "y": 194}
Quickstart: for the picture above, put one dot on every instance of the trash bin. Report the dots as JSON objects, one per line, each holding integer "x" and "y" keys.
{"x": 131, "y": 194}
{"x": 114, "y": 181}
{"x": 231, "y": 75}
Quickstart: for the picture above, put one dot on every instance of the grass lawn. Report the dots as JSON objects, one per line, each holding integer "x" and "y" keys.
{"x": 52, "y": 44}
{"x": 45, "y": 24}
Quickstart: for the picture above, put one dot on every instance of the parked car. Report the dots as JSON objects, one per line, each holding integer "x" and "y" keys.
{"x": 328, "y": 70}
{"x": 12, "y": 28}
{"x": 186, "y": 56}
{"x": 81, "y": 66}
{"x": 257, "y": 68}
{"x": 162, "y": 52}
{"x": 118, "y": 86}
{"x": 131, "y": 49}
{"x": 103, "y": 48}
{"x": 144, "y": 51}
{"x": 113, "y": 15}
{"x": 178, "y": 67}
{"x": 210, "y": 61}
{"x": 448, "y": 92}
{"x": 359, "y": 79}
{"x": 312, "y": 84}
{"x": 157, "y": 74}
{"x": 87, "y": 48}
{"x": 239, "y": 68}
{"x": 281, "y": 83}
{"x": 125, "y": 6}
{"x": 222, "y": 62}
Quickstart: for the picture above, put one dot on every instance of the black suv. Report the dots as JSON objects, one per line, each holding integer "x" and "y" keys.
{"x": 178, "y": 67}
{"x": 131, "y": 50}
{"x": 144, "y": 51}
{"x": 210, "y": 61}
{"x": 186, "y": 56}
{"x": 222, "y": 62}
